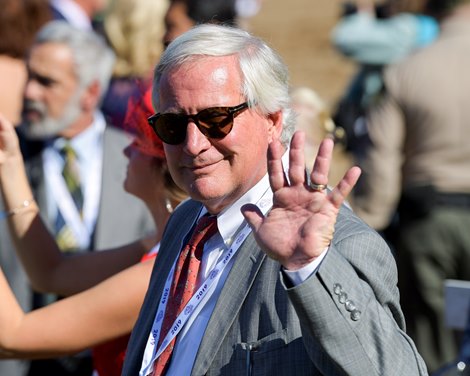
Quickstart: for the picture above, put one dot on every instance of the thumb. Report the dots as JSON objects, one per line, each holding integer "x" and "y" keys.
{"x": 253, "y": 216}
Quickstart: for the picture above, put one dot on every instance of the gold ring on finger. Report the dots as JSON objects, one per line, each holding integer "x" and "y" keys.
{"x": 317, "y": 187}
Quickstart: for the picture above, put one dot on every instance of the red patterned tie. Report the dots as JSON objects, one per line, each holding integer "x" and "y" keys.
{"x": 184, "y": 284}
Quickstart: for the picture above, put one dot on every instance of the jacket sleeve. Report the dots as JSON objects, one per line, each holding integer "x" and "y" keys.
{"x": 349, "y": 311}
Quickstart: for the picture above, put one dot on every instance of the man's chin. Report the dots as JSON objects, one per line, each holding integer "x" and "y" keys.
{"x": 208, "y": 193}
{"x": 202, "y": 188}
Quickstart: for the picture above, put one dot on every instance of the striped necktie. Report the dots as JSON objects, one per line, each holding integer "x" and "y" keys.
{"x": 184, "y": 284}
{"x": 71, "y": 174}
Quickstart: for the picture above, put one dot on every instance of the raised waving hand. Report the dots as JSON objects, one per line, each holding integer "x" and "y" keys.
{"x": 301, "y": 223}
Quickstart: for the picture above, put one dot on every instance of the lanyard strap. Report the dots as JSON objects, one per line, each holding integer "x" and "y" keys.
{"x": 151, "y": 352}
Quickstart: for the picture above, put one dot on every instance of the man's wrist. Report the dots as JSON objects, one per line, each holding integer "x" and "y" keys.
{"x": 300, "y": 275}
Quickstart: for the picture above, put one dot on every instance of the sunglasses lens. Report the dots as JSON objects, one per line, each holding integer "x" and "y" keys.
{"x": 215, "y": 122}
{"x": 171, "y": 128}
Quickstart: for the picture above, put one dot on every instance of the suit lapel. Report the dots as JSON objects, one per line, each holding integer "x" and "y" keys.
{"x": 237, "y": 286}
{"x": 170, "y": 249}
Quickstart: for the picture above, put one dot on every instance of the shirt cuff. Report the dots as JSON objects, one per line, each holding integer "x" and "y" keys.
{"x": 300, "y": 275}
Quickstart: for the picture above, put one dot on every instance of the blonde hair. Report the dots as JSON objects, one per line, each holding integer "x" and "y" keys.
{"x": 313, "y": 115}
{"x": 135, "y": 29}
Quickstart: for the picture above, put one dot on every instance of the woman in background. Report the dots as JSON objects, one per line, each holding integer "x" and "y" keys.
{"x": 133, "y": 29}
{"x": 108, "y": 310}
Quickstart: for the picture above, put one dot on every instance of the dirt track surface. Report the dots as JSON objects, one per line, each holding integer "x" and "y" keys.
{"x": 300, "y": 31}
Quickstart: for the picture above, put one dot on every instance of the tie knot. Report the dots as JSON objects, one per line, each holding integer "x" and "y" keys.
{"x": 68, "y": 152}
{"x": 71, "y": 174}
{"x": 206, "y": 227}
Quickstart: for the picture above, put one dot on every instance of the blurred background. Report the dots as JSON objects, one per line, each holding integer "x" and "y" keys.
{"x": 300, "y": 31}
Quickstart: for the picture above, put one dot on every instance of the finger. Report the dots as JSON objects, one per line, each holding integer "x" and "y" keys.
{"x": 321, "y": 167}
{"x": 8, "y": 137}
{"x": 345, "y": 186}
{"x": 253, "y": 216}
{"x": 3, "y": 131}
{"x": 5, "y": 125}
{"x": 297, "y": 159}
{"x": 277, "y": 178}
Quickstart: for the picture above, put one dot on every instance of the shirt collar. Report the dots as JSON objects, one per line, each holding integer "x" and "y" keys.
{"x": 86, "y": 140}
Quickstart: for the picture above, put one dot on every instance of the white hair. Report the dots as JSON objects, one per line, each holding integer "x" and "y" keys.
{"x": 93, "y": 59}
{"x": 265, "y": 78}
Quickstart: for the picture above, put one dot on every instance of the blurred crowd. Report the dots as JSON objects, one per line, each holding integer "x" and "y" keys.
{"x": 76, "y": 75}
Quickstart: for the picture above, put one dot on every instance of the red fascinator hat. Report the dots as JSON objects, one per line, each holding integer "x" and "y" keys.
{"x": 139, "y": 108}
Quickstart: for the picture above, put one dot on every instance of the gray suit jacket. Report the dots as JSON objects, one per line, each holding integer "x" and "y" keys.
{"x": 302, "y": 330}
{"x": 122, "y": 218}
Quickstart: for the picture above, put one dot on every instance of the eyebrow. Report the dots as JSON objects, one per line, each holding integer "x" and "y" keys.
{"x": 43, "y": 80}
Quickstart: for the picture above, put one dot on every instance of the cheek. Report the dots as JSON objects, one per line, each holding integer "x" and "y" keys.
{"x": 54, "y": 110}
{"x": 56, "y": 104}
{"x": 139, "y": 173}
{"x": 248, "y": 150}
{"x": 252, "y": 137}
{"x": 130, "y": 168}
{"x": 172, "y": 154}
{"x": 143, "y": 164}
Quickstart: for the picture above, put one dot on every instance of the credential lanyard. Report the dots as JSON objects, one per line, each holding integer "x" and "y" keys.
{"x": 151, "y": 352}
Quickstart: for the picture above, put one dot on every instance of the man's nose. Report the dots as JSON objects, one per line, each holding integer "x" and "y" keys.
{"x": 195, "y": 142}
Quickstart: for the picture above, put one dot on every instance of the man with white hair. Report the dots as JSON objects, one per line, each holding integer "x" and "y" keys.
{"x": 263, "y": 287}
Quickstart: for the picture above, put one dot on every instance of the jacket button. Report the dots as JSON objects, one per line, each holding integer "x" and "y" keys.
{"x": 337, "y": 288}
{"x": 350, "y": 306}
{"x": 355, "y": 315}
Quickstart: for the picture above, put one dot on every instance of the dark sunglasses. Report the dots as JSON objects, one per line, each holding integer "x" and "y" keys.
{"x": 214, "y": 122}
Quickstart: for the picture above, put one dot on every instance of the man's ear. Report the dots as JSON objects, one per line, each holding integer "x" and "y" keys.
{"x": 91, "y": 96}
{"x": 275, "y": 128}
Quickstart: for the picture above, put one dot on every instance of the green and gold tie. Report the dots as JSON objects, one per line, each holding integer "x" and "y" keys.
{"x": 71, "y": 174}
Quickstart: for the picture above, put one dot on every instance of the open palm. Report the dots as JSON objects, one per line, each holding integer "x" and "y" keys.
{"x": 301, "y": 222}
